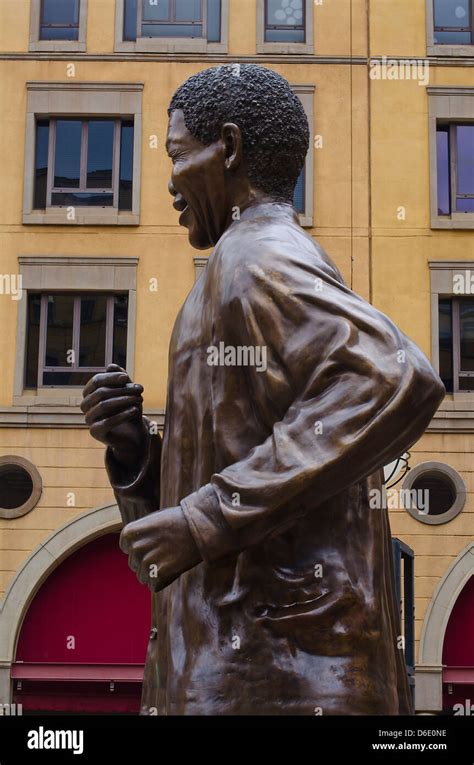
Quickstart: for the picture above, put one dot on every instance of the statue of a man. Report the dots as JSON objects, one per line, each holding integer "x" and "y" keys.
{"x": 251, "y": 519}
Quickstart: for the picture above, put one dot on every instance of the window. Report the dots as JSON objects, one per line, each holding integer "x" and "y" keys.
{"x": 404, "y": 570}
{"x": 72, "y": 337}
{"x": 83, "y": 163}
{"x": 451, "y": 132}
{"x": 58, "y": 25}
{"x": 285, "y": 26}
{"x": 455, "y": 168}
{"x": 81, "y": 167}
{"x": 20, "y": 486}
{"x": 452, "y": 22}
{"x": 59, "y": 20}
{"x": 79, "y": 313}
{"x": 437, "y": 493}
{"x": 456, "y": 343}
{"x": 303, "y": 193}
{"x": 299, "y": 201}
{"x": 284, "y": 21}
{"x": 172, "y": 25}
{"x": 450, "y": 29}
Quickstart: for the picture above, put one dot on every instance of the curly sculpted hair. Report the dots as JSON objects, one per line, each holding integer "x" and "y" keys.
{"x": 272, "y": 120}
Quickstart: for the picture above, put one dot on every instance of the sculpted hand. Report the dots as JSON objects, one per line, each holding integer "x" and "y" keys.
{"x": 112, "y": 405}
{"x": 160, "y": 547}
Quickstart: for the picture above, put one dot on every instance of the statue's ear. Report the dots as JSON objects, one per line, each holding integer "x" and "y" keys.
{"x": 232, "y": 138}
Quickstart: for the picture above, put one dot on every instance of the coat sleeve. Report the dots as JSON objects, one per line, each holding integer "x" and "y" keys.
{"x": 139, "y": 494}
{"x": 353, "y": 391}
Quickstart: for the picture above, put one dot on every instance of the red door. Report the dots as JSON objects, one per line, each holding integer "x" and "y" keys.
{"x": 458, "y": 654}
{"x": 83, "y": 641}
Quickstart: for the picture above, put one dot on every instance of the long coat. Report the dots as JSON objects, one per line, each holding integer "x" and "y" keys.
{"x": 272, "y": 459}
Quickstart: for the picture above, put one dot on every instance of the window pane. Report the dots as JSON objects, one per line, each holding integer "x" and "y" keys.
{"x": 442, "y": 148}
{"x": 59, "y": 33}
{"x": 213, "y": 20}
{"x": 120, "y": 330}
{"x": 466, "y": 383}
{"x": 285, "y": 35}
{"x": 93, "y": 331}
{"x": 452, "y": 38}
{"x": 158, "y": 11}
{"x": 81, "y": 199}
{"x": 171, "y": 30}
{"x": 60, "y": 12}
{"x": 41, "y": 163}
{"x": 465, "y": 205}
{"x": 299, "y": 195}
{"x": 32, "y": 341}
{"x": 465, "y": 158}
{"x": 67, "y": 157}
{"x": 78, "y": 379}
{"x": 63, "y": 15}
{"x": 100, "y": 149}
{"x": 130, "y": 20}
{"x": 466, "y": 332}
{"x": 126, "y": 166}
{"x": 59, "y": 330}
{"x": 451, "y": 13}
{"x": 16, "y": 486}
{"x": 188, "y": 10}
{"x": 285, "y": 12}
{"x": 446, "y": 343}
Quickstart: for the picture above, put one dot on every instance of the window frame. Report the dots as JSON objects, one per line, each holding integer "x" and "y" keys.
{"x": 82, "y": 188}
{"x": 447, "y": 106}
{"x": 453, "y": 164}
{"x": 298, "y": 48}
{"x": 115, "y": 275}
{"x": 268, "y": 26}
{"x": 306, "y": 95}
{"x": 76, "y": 335}
{"x": 38, "y": 45}
{"x": 83, "y": 100}
{"x": 37, "y": 488}
{"x": 450, "y": 49}
{"x": 456, "y": 343}
{"x": 458, "y": 485}
{"x": 170, "y": 44}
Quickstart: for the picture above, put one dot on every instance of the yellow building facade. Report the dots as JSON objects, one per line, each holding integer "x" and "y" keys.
{"x": 368, "y": 191}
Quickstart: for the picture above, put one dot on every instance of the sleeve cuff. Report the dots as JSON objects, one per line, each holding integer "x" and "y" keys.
{"x": 213, "y": 536}
{"x": 137, "y": 493}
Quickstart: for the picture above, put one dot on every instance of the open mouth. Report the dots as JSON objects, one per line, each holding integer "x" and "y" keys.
{"x": 181, "y": 217}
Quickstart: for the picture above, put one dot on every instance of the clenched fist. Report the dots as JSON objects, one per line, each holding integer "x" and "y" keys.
{"x": 112, "y": 405}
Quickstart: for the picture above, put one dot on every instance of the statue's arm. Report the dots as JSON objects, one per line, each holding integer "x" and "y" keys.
{"x": 357, "y": 394}
{"x": 138, "y": 492}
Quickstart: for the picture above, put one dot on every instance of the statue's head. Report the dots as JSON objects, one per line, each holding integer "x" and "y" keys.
{"x": 237, "y": 135}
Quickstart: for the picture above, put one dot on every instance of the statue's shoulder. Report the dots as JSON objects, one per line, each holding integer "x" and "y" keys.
{"x": 273, "y": 247}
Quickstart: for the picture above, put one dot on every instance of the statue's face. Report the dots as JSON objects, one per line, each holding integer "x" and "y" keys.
{"x": 197, "y": 183}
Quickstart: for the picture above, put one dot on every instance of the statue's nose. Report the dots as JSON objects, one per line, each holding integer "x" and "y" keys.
{"x": 171, "y": 189}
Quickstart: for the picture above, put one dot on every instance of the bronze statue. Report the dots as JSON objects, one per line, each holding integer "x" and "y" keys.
{"x": 250, "y": 521}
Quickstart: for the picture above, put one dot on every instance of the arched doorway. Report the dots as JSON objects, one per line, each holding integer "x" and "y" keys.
{"x": 82, "y": 644}
{"x": 458, "y": 654}
{"x": 449, "y": 607}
